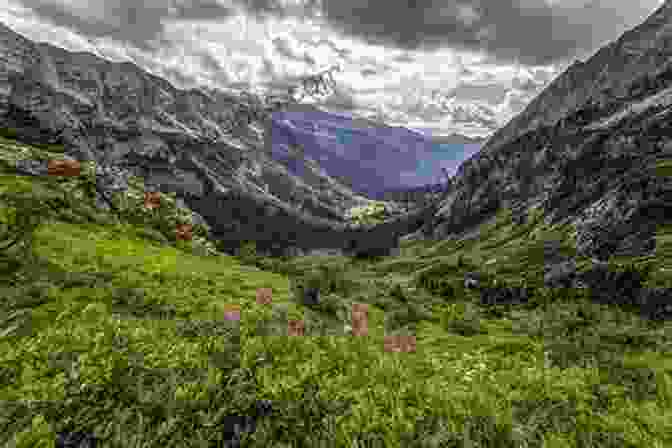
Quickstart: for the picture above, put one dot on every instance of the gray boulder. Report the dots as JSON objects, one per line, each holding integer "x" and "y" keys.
{"x": 311, "y": 296}
{"x": 561, "y": 275}
{"x": 75, "y": 440}
{"x": 32, "y": 167}
{"x": 473, "y": 280}
{"x": 656, "y": 303}
{"x": 504, "y": 295}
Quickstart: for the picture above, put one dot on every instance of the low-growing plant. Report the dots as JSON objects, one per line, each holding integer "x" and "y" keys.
{"x": 462, "y": 318}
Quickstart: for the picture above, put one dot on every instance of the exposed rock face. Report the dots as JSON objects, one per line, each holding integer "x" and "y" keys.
{"x": 585, "y": 150}
{"x": 189, "y": 142}
{"x": 606, "y": 75}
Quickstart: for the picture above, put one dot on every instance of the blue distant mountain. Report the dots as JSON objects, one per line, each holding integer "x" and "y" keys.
{"x": 370, "y": 157}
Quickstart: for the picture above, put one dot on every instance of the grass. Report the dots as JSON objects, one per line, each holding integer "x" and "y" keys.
{"x": 108, "y": 329}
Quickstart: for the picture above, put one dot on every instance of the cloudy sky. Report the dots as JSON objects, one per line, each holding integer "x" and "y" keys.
{"x": 439, "y": 66}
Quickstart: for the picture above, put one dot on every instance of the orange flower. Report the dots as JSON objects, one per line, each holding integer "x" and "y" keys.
{"x": 295, "y": 328}
{"x": 360, "y": 319}
{"x": 264, "y": 296}
{"x": 184, "y": 232}
{"x": 152, "y": 199}
{"x": 392, "y": 344}
{"x": 232, "y": 312}
{"x": 64, "y": 168}
{"x": 400, "y": 343}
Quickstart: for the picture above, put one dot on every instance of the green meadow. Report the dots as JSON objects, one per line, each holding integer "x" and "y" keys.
{"x": 111, "y": 326}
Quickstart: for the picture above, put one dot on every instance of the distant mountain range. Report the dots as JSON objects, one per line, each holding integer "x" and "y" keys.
{"x": 372, "y": 158}
{"x": 457, "y": 139}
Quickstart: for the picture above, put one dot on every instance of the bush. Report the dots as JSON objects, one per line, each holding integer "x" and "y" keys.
{"x": 151, "y": 234}
{"x": 9, "y": 133}
{"x": 247, "y": 253}
{"x": 20, "y": 216}
{"x": 406, "y": 318}
{"x": 462, "y": 318}
{"x": 398, "y": 293}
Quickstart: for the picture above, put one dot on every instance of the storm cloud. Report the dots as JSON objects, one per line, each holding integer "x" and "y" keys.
{"x": 502, "y": 28}
{"x": 464, "y": 66}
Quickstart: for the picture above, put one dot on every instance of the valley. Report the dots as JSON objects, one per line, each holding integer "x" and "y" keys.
{"x": 194, "y": 268}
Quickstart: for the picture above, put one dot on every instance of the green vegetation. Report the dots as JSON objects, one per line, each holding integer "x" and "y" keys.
{"x": 108, "y": 325}
{"x": 369, "y": 214}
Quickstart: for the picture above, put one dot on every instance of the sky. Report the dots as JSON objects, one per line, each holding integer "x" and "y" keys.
{"x": 435, "y": 66}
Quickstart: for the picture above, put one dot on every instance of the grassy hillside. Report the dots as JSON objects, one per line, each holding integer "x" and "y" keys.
{"x": 110, "y": 326}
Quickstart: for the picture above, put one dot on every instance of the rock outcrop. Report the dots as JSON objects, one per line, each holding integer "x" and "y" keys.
{"x": 585, "y": 150}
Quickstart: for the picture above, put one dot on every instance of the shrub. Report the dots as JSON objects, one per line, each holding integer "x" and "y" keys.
{"x": 20, "y": 216}
{"x": 462, "y": 318}
{"x": 9, "y": 133}
{"x": 398, "y": 293}
{"x": 407, "y": 317}
{"x": 247, "y": 252}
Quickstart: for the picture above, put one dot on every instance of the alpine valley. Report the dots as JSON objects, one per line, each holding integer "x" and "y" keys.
{"x": 525, "y": 301}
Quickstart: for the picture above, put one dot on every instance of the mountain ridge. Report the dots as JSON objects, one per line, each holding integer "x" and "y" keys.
{"x": 588, "y": 159}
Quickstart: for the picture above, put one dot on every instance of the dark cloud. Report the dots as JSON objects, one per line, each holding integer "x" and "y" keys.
{"x": 283, "y": 48}
{"x": 490, "y": 93}
{"x": 137, "y": 22}
{"x": 403, "y": 58}
{"x": 529, "y": 31}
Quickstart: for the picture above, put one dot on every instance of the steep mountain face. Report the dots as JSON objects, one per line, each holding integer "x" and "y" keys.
{"x": 585, "y": 150}
{"x": 191, "y": 142}
{"x": 608, "y": 74}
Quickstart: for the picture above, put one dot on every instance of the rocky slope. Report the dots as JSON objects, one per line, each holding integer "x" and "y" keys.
{"x": 584, "y": 149}
{"x": 608, "y": 74}
{"x": 206, "y": 146}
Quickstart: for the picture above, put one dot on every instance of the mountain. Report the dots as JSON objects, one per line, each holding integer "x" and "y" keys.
{"x": 374, "y": 158}
{"x": 609, "y": 73}
{"x": 200, "y": 144}
{"x": 585, "y": 150}
{"x": 456, "y": 139}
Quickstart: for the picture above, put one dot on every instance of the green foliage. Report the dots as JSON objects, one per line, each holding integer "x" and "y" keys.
{"x": 21, "y": 213}
{"x": 406, "y": 317}
{"x": 368, "y": 215}
{"x": 9, "y": 133}
{"x": 247, "y": 253}
{"x": 462, "y": 318}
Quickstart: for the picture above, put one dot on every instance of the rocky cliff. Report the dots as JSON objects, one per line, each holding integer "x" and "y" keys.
{"x": 206, "y": 146}
{"x": 584, "y": 150}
